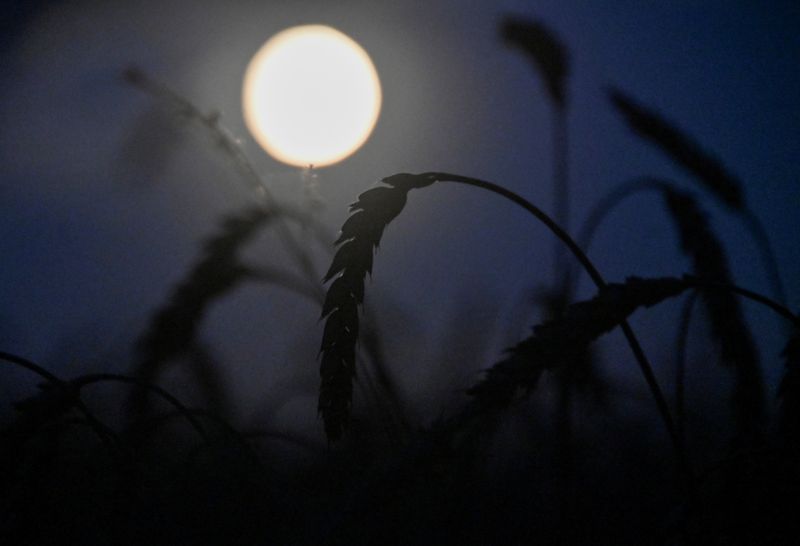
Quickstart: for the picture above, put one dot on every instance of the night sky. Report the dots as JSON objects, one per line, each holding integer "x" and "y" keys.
{"x": 105, "y": 193}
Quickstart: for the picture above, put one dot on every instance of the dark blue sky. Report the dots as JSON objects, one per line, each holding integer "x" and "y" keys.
{"x": 105, "y": 194}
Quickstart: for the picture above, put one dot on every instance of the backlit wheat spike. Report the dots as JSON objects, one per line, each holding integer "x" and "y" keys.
{"x": 725, "y": 314}
{"x": 710, "y": 172}
{"x": 547, "y": 52}
{"x": 360, "y": 237}
{"x": 556, "y": 342}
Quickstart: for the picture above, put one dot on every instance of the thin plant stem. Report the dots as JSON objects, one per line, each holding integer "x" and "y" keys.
{"x": 563, "y": 289}
{"x": 706, "y": 284}
{"x": 561, "y": 185}
{"x": 229, "y": 429}
{"x": 604, "y": 207}
{"x": 594, "y": 274}
{"x": 767, "y": 255}
{"x": 106, "y": 377}
{"x": 680, "y": 364}
{"x": 611, "y": 200}
{"x": 29, "y": 365}
{"x": 683, "y": 333}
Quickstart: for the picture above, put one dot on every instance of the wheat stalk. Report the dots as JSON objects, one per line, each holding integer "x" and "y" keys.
{"x": 709, "y": 171}
{"x": 550, "y": 58}
{"x": 727, "y": 323}
{"x": 353, "y": 260}
{"x": 680, "y": 363}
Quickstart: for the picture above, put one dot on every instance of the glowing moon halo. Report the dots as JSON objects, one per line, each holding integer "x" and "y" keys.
{"x": 311, "y": 95}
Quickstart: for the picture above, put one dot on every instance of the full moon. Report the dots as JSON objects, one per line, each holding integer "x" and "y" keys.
{"x": 311, "y": 96}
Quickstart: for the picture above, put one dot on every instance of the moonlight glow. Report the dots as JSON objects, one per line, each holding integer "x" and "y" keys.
{"x": 311, "y": 96}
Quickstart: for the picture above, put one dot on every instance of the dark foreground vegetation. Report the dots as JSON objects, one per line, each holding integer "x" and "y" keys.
{"x": 540, "y": 450}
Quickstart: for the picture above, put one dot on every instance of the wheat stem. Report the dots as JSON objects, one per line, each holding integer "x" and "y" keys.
{"x": 104, "y": 377}
{"x": 561, "y": 181}
{"x": 703, "y": 284}
{"x": 680, "y": 365}
{"x": 767, "y": 254}
{"x": 531, "y": 208}
{"x": 28, "y": 365}
{"x": 608, "y": 202}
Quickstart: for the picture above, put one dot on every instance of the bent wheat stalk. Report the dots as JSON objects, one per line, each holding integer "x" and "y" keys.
{"x": 361, "y": 234}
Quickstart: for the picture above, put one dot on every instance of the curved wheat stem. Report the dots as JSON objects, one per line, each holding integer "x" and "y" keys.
{"x": 361, "y": 234}
{"x": 610, "y": 201}
{"x": 767, "y": 254}
{"x": 700, "y": 283}
{"x": 118, "y": 378}
{"x": 728, "y": 325}
{"x": 680, "y": 364}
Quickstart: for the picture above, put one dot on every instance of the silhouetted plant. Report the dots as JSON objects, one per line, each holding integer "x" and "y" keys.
{"x": 559, "y": 341}
{"x": 438, "y": 465}
{"x": 681, "y": 148}
{"x": 57, "y": 397}
{"x": 707, "y": 170}
{"x": 680, "y": 363}
{"x": 709, "y": 261}
{"x": 727, "y": 323}
{"x": 354, "y": 259}
{"x": 172, "y": 333}
{"x": 551, "y": 60}
{"x": 360, "y": 236}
